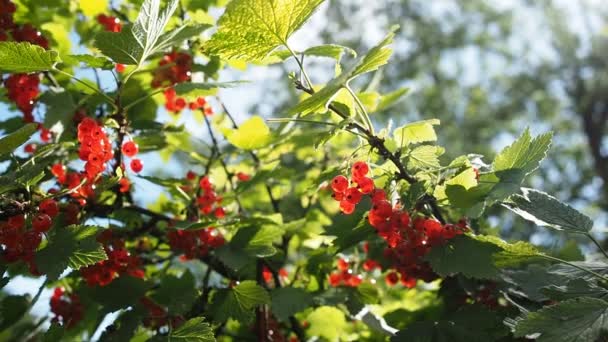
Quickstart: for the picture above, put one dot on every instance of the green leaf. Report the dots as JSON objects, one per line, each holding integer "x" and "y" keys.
{"x": 90, "y": 61}
{"x": 287, "y": 301}
{"x": 121, "y": 293}
{"x": 548, "y": 211}
{"x": 124, "y": 327}
{"x": 60, "y": 108}
{"x": 375, "y": 58}
{"x": 511, "y": 254}
{"x": 178, "y": 35}
{"x": 252, "y": 134}
{"x": 389, "y": 100}
{"x": 326, "y": 322}
{"x": 54, "y": 333}
{"x": 74, "y": 246}
{"x": 579, "y": 319}
{"x": 524, "y": 154}
{"x": 177, "y": 294}
{"x": 25, "y": 58}
{"x": 424, "y": 157}
{"x": 17, "y": 138}
{"x": 472, "y": 323}
{"x": 574, "y": 288}
{"x": 416, "y": 132}
{"x": 464, "y": 255}
{"x": 135, "y": 43}
{"x": 193, "y": 89}
{"x": 239, "y": 302}
{"x": 12, "y": 308}
{"x": 252, "y": 29}
{"x": 467, "y": 179}
{"x": 194, "y": 330}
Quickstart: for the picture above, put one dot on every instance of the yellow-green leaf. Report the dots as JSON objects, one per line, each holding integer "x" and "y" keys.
{"x": 93, "y": 8}
{"x": 252, "y": 134}
{"x": 252, "y": 29}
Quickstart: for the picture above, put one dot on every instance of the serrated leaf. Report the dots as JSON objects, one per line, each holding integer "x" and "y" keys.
{"x": 580, "y": 319}
{"x": 389, "y": 100}
{"x": 194, "y": 330}
{"x": 326, "y": 322}
{"x": 424, "y": 157}
{"x": 135, "y": 43}
{"x": 464, "y": 255}
{"x": 512, "y": 254}
{"x": 252, "y": 29}
{"x": 90, "y": 61}
{"x": 578, "y": 287}
{"x": 25, "y": 58}
{"x": 548, "y": 211}
{"x": 524, "y": 154}
{"x": 416, "y": 132}
{"x": 239, "y": 302}
{"x": 252, "y": 134}
{"x": 17, "y": 138}
{"x": 74, "y": 246}
{"x": 287, "y": 301}
{"x": 375, "y": 58}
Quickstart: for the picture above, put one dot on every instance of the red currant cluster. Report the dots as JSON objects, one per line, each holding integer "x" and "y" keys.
{"x": 209, "y": 201}
{"x": 67, "y": 308}
{"x": 195, "y": 243}
{"x": 349, "y": 195}
{"x": 19, "y": 243}
{"x": 408, "y": 244}
{"x": 119, "y": 262}
{"x": 157, "y": 316}
{"x": 174, "y": 68}
{"x": 130, "y": 149}
{"x": 345, "y": 276}
{"x": 95, "y": 148}
{"x": 110, "y": 23}
{"x": 80, "y": 191}
{"x": 22, "y": 89}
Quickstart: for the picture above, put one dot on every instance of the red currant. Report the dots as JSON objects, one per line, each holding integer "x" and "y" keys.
{"x": 42, "y": 223}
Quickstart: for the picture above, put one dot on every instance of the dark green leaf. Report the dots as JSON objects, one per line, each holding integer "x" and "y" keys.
{"x": 580, "y": 319}
{"x": 464, "y": 255}
{"x": 545, "y": 210}
{"x": 287, "y": 301}
{"x": 17, "y": 138}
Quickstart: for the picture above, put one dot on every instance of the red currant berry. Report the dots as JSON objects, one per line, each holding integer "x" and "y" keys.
{"x": 42, "y": 223}
{"x": 136, "y": 165}
{"x": 353, "y": 195}
{"x": 366, "y": 185}
{"x": 130, "y": 149}
{"x": 339, "y": 184}
{"x": 359, "y": 170}
{"x": 347, "y": 207}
